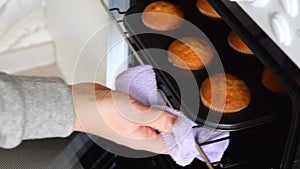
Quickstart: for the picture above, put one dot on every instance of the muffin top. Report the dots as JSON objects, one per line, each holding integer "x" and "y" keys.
{"x": 162, "y": 16}
{"x": 271, "y": 83}
{"x": 164, "y": 7}
{"x": 237, "y": 44}
{"x": 225, "y": 86}
{"x": 205, "y": 8}
{"x": 190, "y": 53}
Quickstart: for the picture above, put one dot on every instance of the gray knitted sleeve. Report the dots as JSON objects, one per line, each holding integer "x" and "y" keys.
{"x": 34, "y": 108}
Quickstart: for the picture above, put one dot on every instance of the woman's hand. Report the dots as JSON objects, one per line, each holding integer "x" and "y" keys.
{"x": 118, "y": 117}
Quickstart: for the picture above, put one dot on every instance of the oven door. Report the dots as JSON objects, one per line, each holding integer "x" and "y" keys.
{"x": 257, "y": 25}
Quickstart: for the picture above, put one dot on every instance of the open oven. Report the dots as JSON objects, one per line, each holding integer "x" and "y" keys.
{"x": 265, "y": 135}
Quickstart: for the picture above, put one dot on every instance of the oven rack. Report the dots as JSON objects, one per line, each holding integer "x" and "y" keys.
{"x": 117, "y": 14}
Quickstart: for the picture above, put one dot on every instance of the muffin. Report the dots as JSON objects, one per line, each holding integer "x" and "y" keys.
{"x": 206, "y": 9}
{"x": 237, "y": 44}
{"x": 190, "y": 53}
{"x": 231, "y": 95}
{"x": 271, "y": 83}
{"x": 162, "y": 16}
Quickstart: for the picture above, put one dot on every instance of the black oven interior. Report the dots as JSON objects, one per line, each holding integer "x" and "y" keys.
{"x": 265, "y": 137}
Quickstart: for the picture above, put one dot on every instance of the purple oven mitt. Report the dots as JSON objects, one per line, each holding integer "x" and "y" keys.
{"x": 140, "y": 83}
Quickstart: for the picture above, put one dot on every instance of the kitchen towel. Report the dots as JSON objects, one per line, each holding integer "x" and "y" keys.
{"x": 140, "y": 83}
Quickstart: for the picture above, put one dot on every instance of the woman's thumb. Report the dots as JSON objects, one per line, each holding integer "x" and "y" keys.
{"x": 164, "y": 122}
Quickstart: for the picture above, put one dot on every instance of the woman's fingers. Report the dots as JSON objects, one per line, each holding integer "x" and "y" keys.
{"x": 156, "y": 118}
{"x": 164, "y": 121}
{"x": 137, "y": 113}
{"x": 145, "y": 138}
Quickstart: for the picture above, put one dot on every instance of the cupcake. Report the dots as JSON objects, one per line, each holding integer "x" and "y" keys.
{"x": 206, "y": 9}
{"x": 162, "y": 16}
{"x": 190, "y": 53}
{"x": 271, "y": 83}
{"x": 237, "y": 44}
{"x": 231, "y": 94}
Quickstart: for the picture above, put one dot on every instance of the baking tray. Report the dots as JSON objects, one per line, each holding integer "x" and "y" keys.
{"x": 152, "y": 47}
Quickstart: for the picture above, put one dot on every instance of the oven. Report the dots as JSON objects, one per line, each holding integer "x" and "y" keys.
{"x": 265, "y": 135}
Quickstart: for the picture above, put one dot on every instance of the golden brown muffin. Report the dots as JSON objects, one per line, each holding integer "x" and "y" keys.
{"x": 190, "y": 53}
{"x": 237, "y": 44}
{"x": 162, "y": 16}
{"x": 231, "y": 95}
{"x": 271, "y": 83}
{"x": 206, "y": 9}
